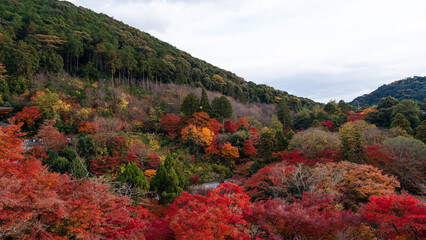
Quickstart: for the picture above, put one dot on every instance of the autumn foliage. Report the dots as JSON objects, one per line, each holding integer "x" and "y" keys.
{"x": 199, "y": 136}
{"x": 218, "y": 215}
{"x": 35, "y": 203}
{"x": 171, "y": 123}
{"x": 396, "y": 216}
{"x": 28, "y": 116}
{"x": 311, "y": 217}
{"x": 51, "y": 137}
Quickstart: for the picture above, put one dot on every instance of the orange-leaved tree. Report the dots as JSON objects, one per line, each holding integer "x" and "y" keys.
{"x": 38, "y": 204}
{"x": 196, "y": 135}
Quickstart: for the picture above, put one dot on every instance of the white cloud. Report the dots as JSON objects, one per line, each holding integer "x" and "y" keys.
{"x": 328, "y": 49}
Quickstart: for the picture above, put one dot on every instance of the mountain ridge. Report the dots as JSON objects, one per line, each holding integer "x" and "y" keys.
{"x": 407, "y": 88}
{"x": 52, "y": 36}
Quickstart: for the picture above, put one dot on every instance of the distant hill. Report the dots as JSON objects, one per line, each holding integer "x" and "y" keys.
{"x": 409, "y": 88}
{"x": 53, "y": 36}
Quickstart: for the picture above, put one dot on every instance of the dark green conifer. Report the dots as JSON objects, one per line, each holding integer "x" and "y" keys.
{"x": 168, "y": 181}
{"x": 221, "y": 108}
{"x": 204, "y": 102}
{"x": 281, "y": 141}
{"x": 283, "y": 113}
{"x": 190, "y": 104}
{"x": 134, "y": 176}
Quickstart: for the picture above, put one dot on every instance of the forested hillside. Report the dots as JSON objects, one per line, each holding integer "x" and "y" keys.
{"x": 410, "y": 88}
{"x": 54, "y": 36}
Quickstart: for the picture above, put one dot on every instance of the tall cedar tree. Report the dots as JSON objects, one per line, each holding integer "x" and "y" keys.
{"x": 283, "y": 113}
{"x": 204, "y": 102}
{"x": 190, "y": 104}
{"x": 282, "y": 143}
{"x": 221, "y": 108}
{"x": 267, "y": 145}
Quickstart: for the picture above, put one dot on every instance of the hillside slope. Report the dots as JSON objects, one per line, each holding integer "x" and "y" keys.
{"x": 409, "y": 88}
{"x": 53, "y": 36}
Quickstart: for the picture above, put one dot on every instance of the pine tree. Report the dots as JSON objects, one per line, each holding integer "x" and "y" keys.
{"x": 290, "y": 135}
{"x": 168, "y": 181}
{"x": 400, "y": 121}
{"x": 204, "y": 102}
{"x": 170, "y": 165}
{"x": 134, "y": 176}
{"x": 190, "y": 104}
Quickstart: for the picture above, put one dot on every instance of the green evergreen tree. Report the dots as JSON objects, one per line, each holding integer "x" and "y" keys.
{"x": 290, "y": 135}
{"x": 267, "y": 145}
{"x": 190, "y": 104}
{"x": 352, "y": 147}
{"x": 134, "y": 176}
{"x": 60, "y": 164}
{"x": 204, "y": 102}
{"x": 400, "y": 121}
{"x": 166, "y": 181}
{"x": 281, "y": 141}
{"x": 283, "y": 113}
{"x": 276, "y": 125}
{"x": 170, "y": 165}
{"x": 221, "y": 108}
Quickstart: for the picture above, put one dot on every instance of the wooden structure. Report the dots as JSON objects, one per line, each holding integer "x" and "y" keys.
{"x": 4, "y": 111}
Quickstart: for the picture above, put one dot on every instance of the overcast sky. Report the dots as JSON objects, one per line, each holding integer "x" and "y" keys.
{"x": 320, "y": 49}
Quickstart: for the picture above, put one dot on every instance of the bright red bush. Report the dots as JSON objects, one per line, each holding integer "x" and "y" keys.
{"x": 328, "y": 124}
{"x": 249, "y": 149}
{"x": 295, "y": 157}
{"x": 396, "y": 216}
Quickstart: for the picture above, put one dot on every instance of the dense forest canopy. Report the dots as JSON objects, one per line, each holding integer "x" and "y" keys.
{"x": 52, "y": 36}
{"x": 410, "y": 88}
